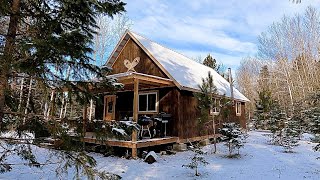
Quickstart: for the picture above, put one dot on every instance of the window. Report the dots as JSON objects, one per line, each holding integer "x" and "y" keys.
{"x": 216, "y": 107}
{"x": 238, "y": 108}
{"x": 110, "y": 107}
{"x": 148, "y": 102}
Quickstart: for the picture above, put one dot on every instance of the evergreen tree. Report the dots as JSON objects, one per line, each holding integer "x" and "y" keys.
{"x": 211, "y": 62}
{"x": 50, "y": 44}
{"x": 197, "y": 160}
{"x": 233, "y": 137}
{"x": 313, "y": 116}
{"x": 290, "y": 135}
{"x": 44, "y": 39}
{"x": 265, "y": 102}
{"x": 226, "y": 108}
{"x": 275, "y": 123}
{"x": 205, "y": 101}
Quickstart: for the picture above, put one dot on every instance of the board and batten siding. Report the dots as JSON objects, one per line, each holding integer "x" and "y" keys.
{"x": 145, "y": 66}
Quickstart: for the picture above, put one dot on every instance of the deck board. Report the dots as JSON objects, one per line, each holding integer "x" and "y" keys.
{"x": 130, "y": 144}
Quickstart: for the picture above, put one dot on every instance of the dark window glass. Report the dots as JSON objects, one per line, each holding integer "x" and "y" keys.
{"x": 238, "y": 108}
{"x": 143, "y": 102}
{"x": 152, "y": 102}
{"x": 110, "y": 107}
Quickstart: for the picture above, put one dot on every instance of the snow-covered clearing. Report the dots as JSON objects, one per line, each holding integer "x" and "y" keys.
{"x": 258, "y": 160}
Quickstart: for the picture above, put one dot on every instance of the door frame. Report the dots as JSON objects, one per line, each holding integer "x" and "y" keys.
{"x": 105, "y": 110}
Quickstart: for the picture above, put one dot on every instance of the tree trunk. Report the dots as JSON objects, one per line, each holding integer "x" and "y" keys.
{"x": 214, "y": 134}
{"x": 8, "y": 54}
{"x": 28, "y": 101}
{"x": 3, "y": 86}
{"x": 21, "y": 94}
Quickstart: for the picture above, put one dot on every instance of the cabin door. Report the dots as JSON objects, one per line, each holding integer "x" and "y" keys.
{"x": 109, "y": 107}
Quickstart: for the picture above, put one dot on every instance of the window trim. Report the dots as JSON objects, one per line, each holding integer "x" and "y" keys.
{"x": 157, "y": 101}
{"x": 238, "y": 106}
{"x": 105, "y": 106}
{"x": 215, "y": 110}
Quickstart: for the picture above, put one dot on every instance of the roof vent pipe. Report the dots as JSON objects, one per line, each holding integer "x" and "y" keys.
{"x": 231, "y": 85}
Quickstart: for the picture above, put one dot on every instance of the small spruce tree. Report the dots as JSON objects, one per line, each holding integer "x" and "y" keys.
{"x": 205, "y": 100}
{"x": 314, "y": 118}
{"x": 265, "y": 102}
{"x": 275, "y": 123}
{"x": 290, "y": 135}
{"x": 197, "y": 160}
{"x": 233, "y": 137}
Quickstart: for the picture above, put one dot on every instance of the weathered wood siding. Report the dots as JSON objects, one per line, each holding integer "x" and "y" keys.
{"x": 169, "y": 103}
{"x": 130, "y": 52}
{"x": 189, "y": 113}
{"x": 182, "y": 105}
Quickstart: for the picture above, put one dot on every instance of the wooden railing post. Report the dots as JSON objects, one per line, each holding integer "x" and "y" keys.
{"x": 135, "y": 116}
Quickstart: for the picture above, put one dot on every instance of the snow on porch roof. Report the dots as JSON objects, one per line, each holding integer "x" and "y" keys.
{"x": 185, "y": 71}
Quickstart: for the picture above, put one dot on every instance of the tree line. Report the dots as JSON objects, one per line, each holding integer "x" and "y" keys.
{"x": 283, "y": 80}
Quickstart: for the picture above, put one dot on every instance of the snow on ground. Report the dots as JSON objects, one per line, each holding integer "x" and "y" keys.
{"x": 258, "y": 161}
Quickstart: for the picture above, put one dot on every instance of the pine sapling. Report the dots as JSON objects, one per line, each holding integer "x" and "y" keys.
{"x": 197, "y": 160}
{"x": 276, "y": 124}
{"x": 233, "y": 137}
{"x": 290, "y": 136}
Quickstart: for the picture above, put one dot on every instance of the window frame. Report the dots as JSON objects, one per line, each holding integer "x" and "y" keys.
{"x": 106, "y": 106}
{"x": 238, "y": 107}
{"x": 147, "y": 107}
{"x": 216, "y": 109}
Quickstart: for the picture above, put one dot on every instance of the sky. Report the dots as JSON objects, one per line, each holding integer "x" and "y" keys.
{"x": 227, "y": 29}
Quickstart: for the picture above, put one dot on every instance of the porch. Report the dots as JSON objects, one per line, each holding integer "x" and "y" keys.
{"x": 138, "y": 99}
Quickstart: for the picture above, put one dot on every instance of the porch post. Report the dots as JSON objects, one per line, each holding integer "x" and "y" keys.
{"x": 135, "y": 116}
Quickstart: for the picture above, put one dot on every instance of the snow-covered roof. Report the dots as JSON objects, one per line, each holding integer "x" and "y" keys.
{"x": 186, "y": 72}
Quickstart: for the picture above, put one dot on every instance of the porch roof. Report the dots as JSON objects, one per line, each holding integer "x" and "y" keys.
{"x": 145, "y": 80}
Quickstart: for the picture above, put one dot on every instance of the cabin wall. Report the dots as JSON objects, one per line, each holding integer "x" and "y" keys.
{"x": 183, "y": 107}
{"x": 236, "y": 118}
{"x": 169, "y": 103}
{"x": 130, "y": 52}
{"x": 189, "y": 113}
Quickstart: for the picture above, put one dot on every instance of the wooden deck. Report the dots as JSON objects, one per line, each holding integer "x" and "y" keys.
{"x": 130, "y": 144}
{"x": 90, "y": 138}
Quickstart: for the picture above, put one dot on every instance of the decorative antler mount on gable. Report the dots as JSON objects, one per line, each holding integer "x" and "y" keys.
{"x": 131, "y": 65}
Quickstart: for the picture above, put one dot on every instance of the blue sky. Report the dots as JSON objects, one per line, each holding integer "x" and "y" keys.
{"x": 227, "y": 29}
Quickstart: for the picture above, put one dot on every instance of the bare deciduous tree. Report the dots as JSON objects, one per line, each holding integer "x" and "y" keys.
{"x": 109, "y": 32}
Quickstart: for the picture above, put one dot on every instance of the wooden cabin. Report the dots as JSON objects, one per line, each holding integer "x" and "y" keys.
{"x": 159, "y": 80}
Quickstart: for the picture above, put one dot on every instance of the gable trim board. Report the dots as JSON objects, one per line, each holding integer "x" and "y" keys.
{"x": 184, "y": 72}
